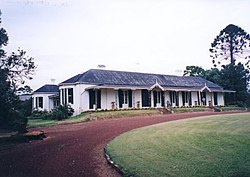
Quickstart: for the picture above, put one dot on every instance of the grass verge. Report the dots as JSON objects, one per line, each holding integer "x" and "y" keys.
{"x": 93, "y": 115}
{"x": 211, "y": 146}
{"x": 233, "y": 108}
{"x": 191, "y": 109}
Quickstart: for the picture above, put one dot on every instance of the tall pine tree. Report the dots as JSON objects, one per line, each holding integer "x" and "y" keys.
{"x": 232, "y": 44}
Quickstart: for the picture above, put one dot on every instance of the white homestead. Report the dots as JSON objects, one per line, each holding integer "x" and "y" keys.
{"x": 104, "y": 89}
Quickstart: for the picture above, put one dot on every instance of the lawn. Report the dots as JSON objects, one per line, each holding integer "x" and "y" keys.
{"x": 191, "y": 109}
{"x": 209, "y": 146}
{"x": 94, "y": 115}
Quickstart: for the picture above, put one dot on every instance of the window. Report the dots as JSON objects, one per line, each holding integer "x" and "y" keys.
{"x": 125, "y": 97}
{"x": 56, "y": 102}
{"x": 39, "y": 102}
{"x": 63, "y": 97}
{"x": 67, "y": 96}
{"x": 70, "y": 95}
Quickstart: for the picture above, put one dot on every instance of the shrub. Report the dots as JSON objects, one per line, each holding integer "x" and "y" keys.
{"x": 17, "y": 121}
{"x": 59, "y": 113}
{"x": 38, "y": 114}
{"x": 62, "y": 112}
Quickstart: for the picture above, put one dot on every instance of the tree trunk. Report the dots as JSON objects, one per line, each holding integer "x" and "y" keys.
{"x": 231, "y": 51}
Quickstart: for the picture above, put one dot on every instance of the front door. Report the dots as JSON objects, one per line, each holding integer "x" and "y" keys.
{"x": 158, "y": 98}
{"x": 204, "y": 98}
{"x": 145, "y": 96}
{"x": 94, "y": 99}
{"x": 125, "y": 98}
{"x": 215, "y": 98}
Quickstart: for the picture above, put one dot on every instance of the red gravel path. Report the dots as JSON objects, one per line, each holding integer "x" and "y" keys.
{"x": 75, "y": 149}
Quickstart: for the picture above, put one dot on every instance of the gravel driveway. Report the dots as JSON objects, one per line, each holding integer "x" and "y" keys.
{"x": 74, "y": 149}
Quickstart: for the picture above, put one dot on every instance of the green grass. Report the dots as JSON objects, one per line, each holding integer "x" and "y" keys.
{"x": 94, "y": 115}
{"x": 41, "y": 123}
{"x": 232, "y": 108}
{"x": 191, "y": 109}
{"x": 211, "y": 146}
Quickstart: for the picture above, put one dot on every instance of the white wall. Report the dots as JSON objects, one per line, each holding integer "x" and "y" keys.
{"x": 107, "y": 97}
{"x": 80, "y": 97}
{"x": 47, "y": 103}
{"x": 110, "y": 95}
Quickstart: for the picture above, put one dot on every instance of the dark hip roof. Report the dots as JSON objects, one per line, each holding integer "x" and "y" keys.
{"x": 47, "y": 89}
{"x": 108, "y": 77}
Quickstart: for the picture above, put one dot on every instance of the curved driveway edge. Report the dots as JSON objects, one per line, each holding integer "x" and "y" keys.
{"x": 75, "y": 149}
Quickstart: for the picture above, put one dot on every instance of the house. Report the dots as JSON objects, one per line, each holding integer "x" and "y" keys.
{"x": 106, "y": 89}
{"x": 45, "y": 98}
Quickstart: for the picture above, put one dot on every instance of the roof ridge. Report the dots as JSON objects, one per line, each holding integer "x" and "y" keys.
{"x": 133, "y": 72}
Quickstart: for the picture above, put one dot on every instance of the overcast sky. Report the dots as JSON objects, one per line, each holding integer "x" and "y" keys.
{"x": 68, "y": 37}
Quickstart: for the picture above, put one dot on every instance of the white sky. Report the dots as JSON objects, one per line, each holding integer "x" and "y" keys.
{"x": 68, "y": 37}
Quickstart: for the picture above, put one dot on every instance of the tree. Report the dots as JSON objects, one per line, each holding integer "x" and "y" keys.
{"x": 212, "y": 74}
{"x": 231, "y": 44}
{"x": 19, "y": 67}
{"x": 230, "y": 77}
{"x": 25, "y": 89}
{"x": 14, "y": 69}
{"x": 194, "y": 71}
{"x": 236, "y": 77}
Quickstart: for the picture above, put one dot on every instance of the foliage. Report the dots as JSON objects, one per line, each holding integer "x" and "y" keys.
{"x": 230, "y": 77}
{"x": 19, "y": 67}
{"x": 209, "y": 146}
{"x": 235, "y": 77}
{"x": 232, "y": 43}
{"x": 10, "y": 116}
{"x": 24, "y": 90}
{"x": 86, "y": 116}
{"x": 39, "y": 114}
{"x": 25, "y": 107}
{"x": 59, "y": 113}
{"x": 62, "y": 112}
{"x": 213, "y": 75}
{"x": 194, "y": 71}
{"x": 14, "y": 69}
